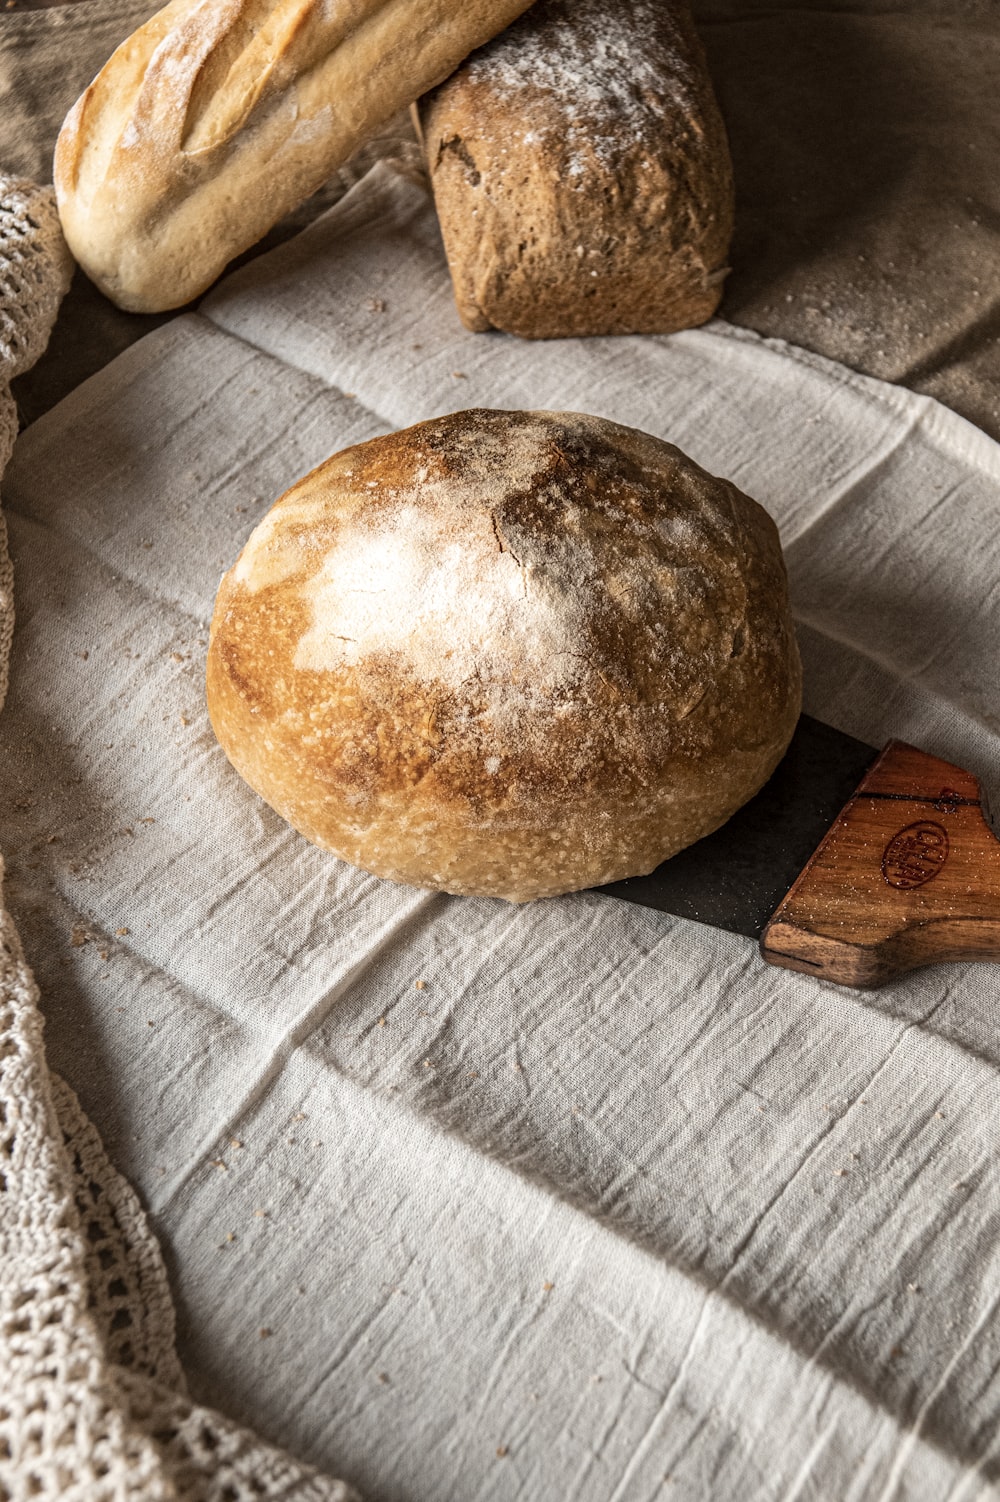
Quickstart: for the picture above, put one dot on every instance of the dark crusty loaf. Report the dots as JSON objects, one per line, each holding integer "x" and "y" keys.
{"x": 506, "y": 653}
{"x": 581, "y": 173}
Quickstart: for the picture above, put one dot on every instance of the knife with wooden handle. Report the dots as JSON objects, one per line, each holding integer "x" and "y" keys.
{"x": 851, "y": 865}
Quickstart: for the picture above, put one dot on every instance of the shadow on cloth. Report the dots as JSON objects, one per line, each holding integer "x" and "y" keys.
{"x": 866, "y": 222}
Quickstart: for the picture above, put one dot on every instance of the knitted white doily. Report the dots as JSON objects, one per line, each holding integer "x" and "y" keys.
{"x": 92, "y": 1400}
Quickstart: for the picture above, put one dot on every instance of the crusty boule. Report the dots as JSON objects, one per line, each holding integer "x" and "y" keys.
{"x": 506, "y": 653}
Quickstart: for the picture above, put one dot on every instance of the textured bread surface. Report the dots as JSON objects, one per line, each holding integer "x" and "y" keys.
{"x": 218, "y": 116}
{"x": 506, "y": 653}
{"x": 581, "y": 173}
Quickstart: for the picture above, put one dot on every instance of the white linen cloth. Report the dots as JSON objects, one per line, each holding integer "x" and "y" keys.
{"x": 462, "y": 1200}
{"x": 93, "y": 1404}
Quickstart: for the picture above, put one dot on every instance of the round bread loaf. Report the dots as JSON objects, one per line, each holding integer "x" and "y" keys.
{"x": 506, "y": 653}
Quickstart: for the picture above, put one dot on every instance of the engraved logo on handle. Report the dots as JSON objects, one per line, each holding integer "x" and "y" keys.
{"x": 915, "y": 855}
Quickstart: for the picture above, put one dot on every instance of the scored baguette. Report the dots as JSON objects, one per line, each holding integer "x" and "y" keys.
{"x": 581, "y": 173}
{"x": 217, "y": 117}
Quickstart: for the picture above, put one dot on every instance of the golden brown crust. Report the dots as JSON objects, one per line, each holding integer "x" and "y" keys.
{"x": 506, "y": 653}
{"x": 581, "y": 173}
{"x": 218, "y": 116}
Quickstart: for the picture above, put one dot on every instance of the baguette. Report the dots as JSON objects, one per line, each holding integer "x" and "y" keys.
{"x": 218, "y": 116}
{"x": 581, "y": 173}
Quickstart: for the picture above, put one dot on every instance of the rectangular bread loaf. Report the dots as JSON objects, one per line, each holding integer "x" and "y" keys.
{"x": 218, "y": 116}
{"x": 581, "y": 173}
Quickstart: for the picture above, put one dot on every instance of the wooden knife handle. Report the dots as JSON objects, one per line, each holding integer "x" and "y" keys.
{"x": 908, "y": 875}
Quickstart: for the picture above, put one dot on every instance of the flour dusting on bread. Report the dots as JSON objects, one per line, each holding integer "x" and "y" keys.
{"x": 439, "y": 586}
{"x": 605, "y": 69}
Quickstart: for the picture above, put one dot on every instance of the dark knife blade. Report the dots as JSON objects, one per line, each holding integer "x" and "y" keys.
{"x": 736, "y": 877}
